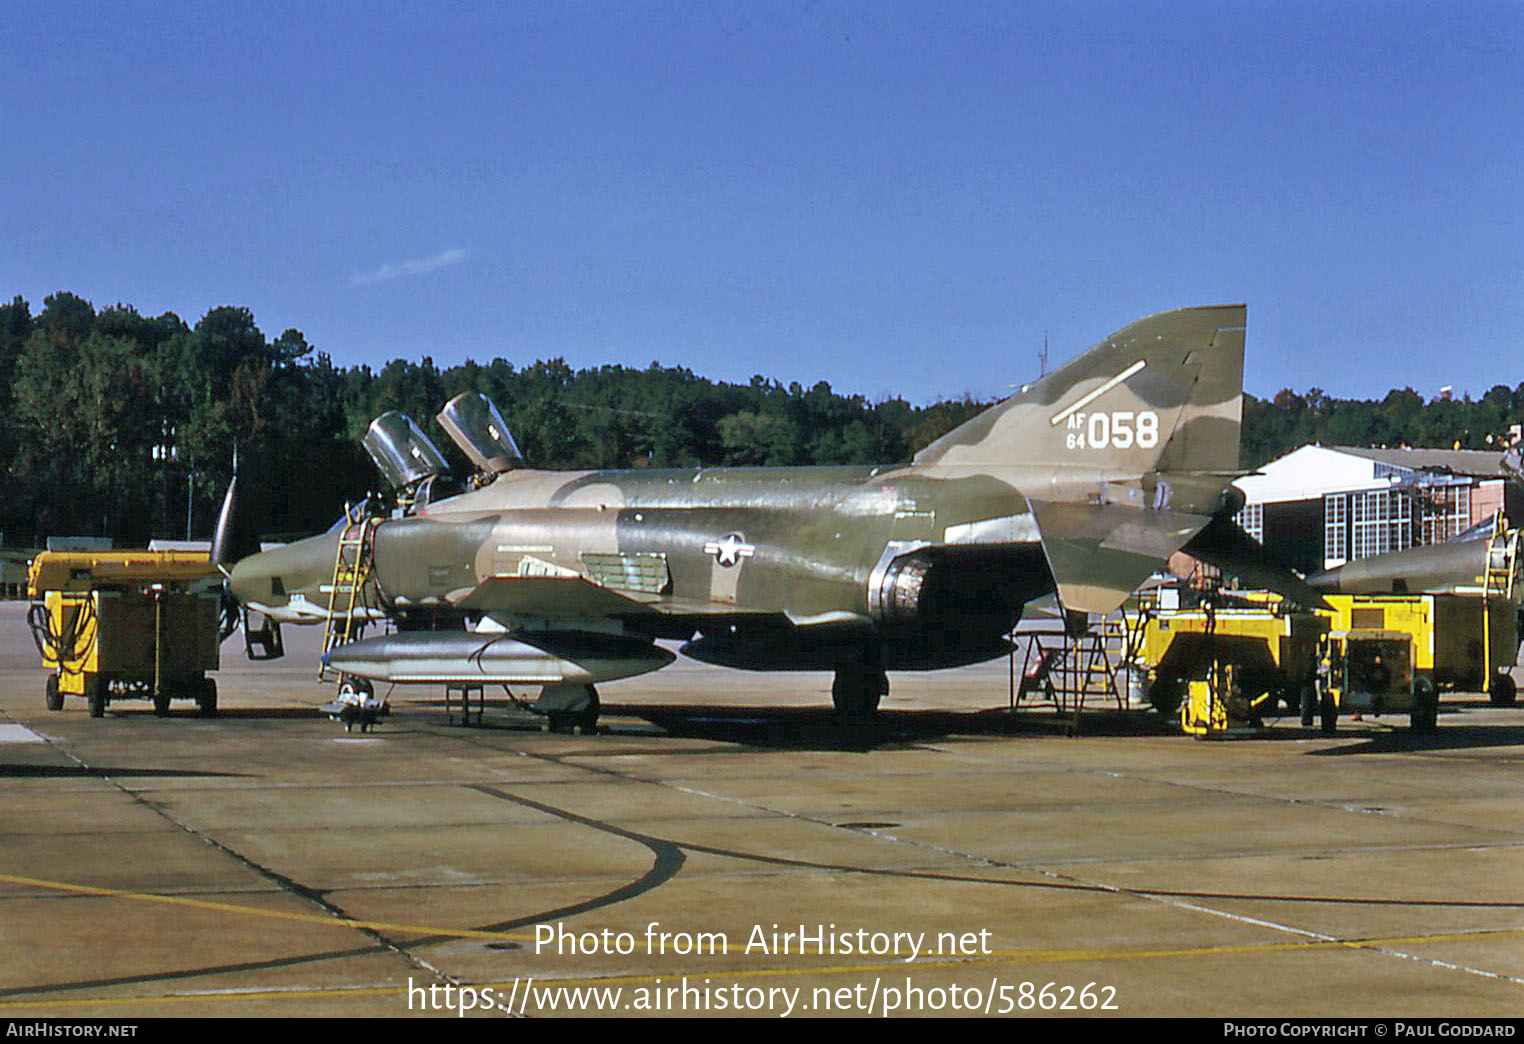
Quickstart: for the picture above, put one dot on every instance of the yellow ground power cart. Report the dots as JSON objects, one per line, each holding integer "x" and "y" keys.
{"x": 1461, "y": 642}
{"x": 127, "y": 624}
{"x": 1227, "y": 661}
{"x": 1372, "y": 671}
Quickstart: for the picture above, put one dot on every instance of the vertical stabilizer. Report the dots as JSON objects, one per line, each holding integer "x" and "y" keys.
{"x": 1164, "y": 393}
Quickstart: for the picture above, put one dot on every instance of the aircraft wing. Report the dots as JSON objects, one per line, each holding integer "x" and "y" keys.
{"x": 1100, "y": 553}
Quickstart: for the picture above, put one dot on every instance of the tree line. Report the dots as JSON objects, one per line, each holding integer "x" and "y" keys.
{"x": 1402, "y": 418}
{"x": 117, "y": 424}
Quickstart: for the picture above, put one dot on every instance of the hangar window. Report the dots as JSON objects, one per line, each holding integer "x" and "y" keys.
{"x": 1446, "y": 512}
{"x": 1251, "y": 519}
{"x": 1335, "y": 533}
{"x": 1383, "y": 521}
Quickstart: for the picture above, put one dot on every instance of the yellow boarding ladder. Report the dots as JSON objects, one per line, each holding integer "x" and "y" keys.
{"x": 351, "y": 569}
{"x": 1502, "y": 560}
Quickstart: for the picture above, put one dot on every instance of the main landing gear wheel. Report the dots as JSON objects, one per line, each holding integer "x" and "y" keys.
{"x": 1165, "y": 695}
{"x": 573, "y": 717}
{"x": 855, "y": 693}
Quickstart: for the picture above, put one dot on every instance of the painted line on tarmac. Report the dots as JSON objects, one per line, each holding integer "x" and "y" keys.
{"x": 251, "y": 911}
{"x": 997, "y": 959}
{"x": 1307, "y": 937}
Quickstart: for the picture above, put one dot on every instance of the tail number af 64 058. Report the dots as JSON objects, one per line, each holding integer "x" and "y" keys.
{"x": 1118, "y": 429}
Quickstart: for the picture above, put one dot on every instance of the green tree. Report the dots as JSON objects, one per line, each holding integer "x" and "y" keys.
{"x": 759, "y": 439}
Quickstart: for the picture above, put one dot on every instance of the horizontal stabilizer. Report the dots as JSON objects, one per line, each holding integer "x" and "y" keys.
{"x": 1100, "y": 553}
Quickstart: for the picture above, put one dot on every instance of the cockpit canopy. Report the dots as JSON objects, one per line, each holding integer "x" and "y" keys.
{"x": 478, "y": 429}
{"x": 401, "y": 450}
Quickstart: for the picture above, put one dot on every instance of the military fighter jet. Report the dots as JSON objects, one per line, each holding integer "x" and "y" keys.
{"x": 1083, "y": 483}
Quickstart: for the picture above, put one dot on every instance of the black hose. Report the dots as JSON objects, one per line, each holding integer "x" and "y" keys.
{"x": 63, "y": 643}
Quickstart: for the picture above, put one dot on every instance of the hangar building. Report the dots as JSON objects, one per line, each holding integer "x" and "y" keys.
{"x": 1321, "y": 506}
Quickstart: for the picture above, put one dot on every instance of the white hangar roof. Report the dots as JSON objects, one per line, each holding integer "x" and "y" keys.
{"x": 1310, "y": 472}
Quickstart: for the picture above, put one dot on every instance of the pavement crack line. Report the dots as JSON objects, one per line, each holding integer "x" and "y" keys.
{"x": 669, "y": 858}
{"x": 289, "y": 885}
{"x": 1166, "y": 899}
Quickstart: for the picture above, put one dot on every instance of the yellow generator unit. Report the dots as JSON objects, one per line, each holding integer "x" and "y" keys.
{"x": 1372, "y": 671}
{"x": 1460, "y": 642}
{"x": 127, "y": 624}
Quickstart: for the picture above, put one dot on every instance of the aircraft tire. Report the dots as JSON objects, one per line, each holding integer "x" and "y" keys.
{"x": 563, "y": 722}
{"x": 53, "y": 696}
{"x": 1165, "y": 695}
{"x": 584, "y": 718}
{"x": 855, "y": 693}
{"x": 587, "y": 717}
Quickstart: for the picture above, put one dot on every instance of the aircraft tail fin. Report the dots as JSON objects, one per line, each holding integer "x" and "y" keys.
{"x": 1162, "y": 394}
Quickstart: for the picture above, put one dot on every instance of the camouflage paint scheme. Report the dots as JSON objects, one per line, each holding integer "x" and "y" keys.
{"x": 1085, "y": 481}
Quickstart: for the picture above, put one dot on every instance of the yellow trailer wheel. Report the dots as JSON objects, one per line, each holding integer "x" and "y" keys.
{"x": 1425, "y": 714}
{"x": 1503, "y": 691}
{"x": 95, "y": 694}
{"x": 54, "y": 697}
{"x": 206, "y": 698}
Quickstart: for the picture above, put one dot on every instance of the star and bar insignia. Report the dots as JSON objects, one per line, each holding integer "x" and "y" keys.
{"x": 730, "y": 549}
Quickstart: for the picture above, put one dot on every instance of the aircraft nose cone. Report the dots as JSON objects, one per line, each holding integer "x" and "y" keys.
{"x": 249, "y": 582}
{"x": 268, "y": 579}
{"x": 1325, "y": 580}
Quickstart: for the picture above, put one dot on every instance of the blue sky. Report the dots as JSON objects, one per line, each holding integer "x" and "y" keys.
{"x": 899, "y": 198}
